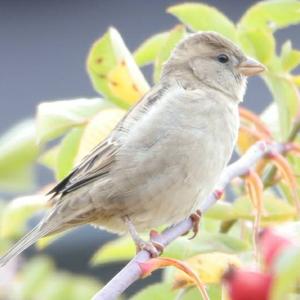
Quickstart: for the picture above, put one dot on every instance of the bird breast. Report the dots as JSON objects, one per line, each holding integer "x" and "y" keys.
{"x": 173, "y": 157}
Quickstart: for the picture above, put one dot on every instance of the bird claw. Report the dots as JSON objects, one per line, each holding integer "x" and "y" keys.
{"x": 195, "y": 217}
{"x": 154, "y": 248}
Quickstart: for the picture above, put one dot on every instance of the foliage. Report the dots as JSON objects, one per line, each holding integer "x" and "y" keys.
{"x": 63, "y": 132}
{"x": 40, "y": 280}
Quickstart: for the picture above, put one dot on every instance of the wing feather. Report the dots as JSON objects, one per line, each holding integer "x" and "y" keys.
{"x": 99, "y": 161}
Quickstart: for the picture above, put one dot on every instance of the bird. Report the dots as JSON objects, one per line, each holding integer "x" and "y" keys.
{"x": 167, "y": 153}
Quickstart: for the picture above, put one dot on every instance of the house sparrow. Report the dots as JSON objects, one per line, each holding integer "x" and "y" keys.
{"x": 165, "y": 156}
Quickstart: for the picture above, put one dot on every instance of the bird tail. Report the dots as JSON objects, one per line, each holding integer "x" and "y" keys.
{"x": 30, "y": 238}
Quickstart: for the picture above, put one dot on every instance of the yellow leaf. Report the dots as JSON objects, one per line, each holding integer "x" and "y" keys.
{"x": 122, "y": 85}
{"x": 98, "y": 129}
{"x": 113, "y": 70}
{"x": 296, "y": 79}
{"x": 247, "y": 137}
{"x": 47, "y": 240}
{"x": 210, "y": 267}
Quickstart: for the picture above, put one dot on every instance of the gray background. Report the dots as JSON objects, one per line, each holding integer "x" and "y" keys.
{"x": 43, "y": 46}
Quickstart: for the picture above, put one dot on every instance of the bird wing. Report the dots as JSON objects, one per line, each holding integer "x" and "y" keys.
{"x": 99, "y": 161}
{"x": 96, "y": 164}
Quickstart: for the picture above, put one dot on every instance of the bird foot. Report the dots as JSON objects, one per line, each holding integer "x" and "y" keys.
{"x": 154, "y": 248}
{"x": 195, "y": 217}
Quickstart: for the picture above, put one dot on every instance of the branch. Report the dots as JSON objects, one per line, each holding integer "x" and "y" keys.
{"x": 132, "y": 272}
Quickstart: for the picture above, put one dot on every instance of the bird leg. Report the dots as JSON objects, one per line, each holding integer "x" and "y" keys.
{"x": 153, "y": 247}
{"x": 195, "y": 217}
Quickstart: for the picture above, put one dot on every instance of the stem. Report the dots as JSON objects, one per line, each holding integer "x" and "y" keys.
{"x": 294, "y": 132}
{"x": 226, "y": 226}
{"x": 269, "y": 179}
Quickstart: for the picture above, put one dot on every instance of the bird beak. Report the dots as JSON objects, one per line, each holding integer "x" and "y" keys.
{"x": 250, "y": 67}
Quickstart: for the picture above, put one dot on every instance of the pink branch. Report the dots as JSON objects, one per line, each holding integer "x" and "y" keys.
{"x": 131, "y": 272}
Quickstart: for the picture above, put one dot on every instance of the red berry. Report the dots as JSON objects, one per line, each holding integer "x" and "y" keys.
{"x": 247, "y": 285}
{"x": 271, "y": 245}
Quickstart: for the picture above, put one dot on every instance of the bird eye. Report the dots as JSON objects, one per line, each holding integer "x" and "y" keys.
{"x": 223, "y": 58}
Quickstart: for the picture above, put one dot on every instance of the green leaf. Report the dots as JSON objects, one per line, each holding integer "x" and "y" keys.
{"x": 80, "y": 141}
{"x": 222, "y": 210}
{"x": 101, "y": 60}
{"x": 275, "y": 209}
{"x": 33, "y": 275}
{"x": 55, "y": 118}
{"x": 17, "y": 180}
{"x": 147, "y": 52}
{"x": 181, "y": 248}
{"x": 201, "y": 17}
{"x": 83, "y": 288}
{"x": 174, "y": 36}
{"x": 165, "y": 291}
{"x": 49, "y": 158}
{"x": 287, "y": 270}
{"x": 67, "y": 152}
{"x": 274, "y": 14}
{"x": 290, "y": 58}
{"x": 113, "y": 71}
{"x": 258, "y": 43}
{"x": 45, "y": 241}
{"x": 16, "y": 214}
{"x": 17, "y": 146}
{"x": 158, "y": 291}
{"x": 214, "y": 292}
{"x": 120, "y": 249}
{"x": 18, "y": 150}
{"x": 39, "y": 280}
{"x": 285, "y": 94}
{"x": 210, "y": 242}
{"x": 123, "y": 249}
{"x": 57, "y": 286}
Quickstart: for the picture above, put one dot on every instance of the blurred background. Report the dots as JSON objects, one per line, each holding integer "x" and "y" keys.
{"x": 43, "y": 48}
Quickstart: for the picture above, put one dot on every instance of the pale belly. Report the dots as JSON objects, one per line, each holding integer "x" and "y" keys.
{"x": 167, "y": 169}
{"x": 152, "y": 197}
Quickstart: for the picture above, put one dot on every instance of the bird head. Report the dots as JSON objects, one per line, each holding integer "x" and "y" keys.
{"x": 209, "y": 59}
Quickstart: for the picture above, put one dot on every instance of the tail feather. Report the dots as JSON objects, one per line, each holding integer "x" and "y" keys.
{"x": 30, "y": 238}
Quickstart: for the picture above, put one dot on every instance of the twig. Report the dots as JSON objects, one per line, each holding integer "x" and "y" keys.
{"x": 295, "y": 130}
{"x": 268, "y": 180}
{"x": 132, "y": 272}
